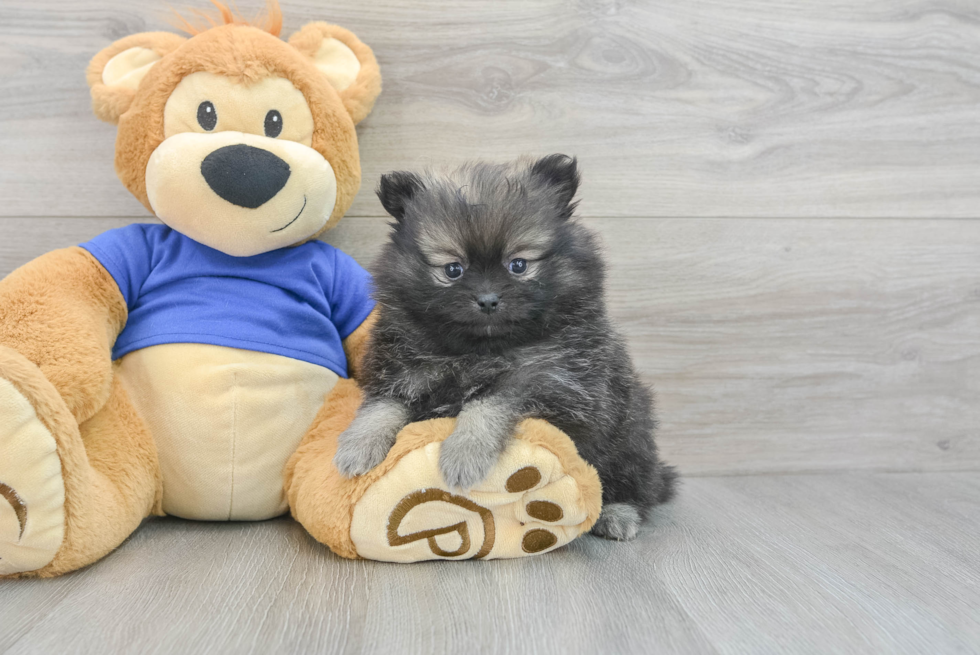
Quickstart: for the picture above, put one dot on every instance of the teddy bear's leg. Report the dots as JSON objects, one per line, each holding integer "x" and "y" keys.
{"x": 539, "y": 496}
{"x": 77, "y": 469}
{"x": 63, "y": 312}
{"x": 69, "y": 494}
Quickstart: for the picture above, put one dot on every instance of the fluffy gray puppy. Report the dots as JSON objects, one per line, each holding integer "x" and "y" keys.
{"x": 492, "y": 310}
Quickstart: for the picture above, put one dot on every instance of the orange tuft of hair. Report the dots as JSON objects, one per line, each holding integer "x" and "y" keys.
{"x": 203, "y": 21}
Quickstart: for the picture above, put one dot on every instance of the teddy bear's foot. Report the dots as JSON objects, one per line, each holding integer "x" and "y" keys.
{"x": 538, "y": 496}
{"x": 32, "y": 491}
{"x": 530, "y": 503}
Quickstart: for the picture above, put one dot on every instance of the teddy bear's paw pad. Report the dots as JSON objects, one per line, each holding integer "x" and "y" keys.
{"x": 528, "y": 504}
{"x": 32, "y": 492}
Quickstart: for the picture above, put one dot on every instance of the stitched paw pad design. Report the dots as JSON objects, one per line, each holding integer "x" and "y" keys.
{"x": 528, "y": 504}
{"x": 32, "y": 492}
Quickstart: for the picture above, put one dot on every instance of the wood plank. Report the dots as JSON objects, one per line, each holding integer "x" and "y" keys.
{"x": 773, "y": 345}
{"x": 680, "y": 108}
{"x": 860, "y": 563}
{"x": 826, "y": 564}
{"x": 804, "y": 345}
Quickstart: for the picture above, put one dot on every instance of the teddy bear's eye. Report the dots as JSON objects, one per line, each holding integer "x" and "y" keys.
{"x": 273, "y": 124}
{"x": 207, "y": 117}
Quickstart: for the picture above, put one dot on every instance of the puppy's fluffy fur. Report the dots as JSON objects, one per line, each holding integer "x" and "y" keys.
{"x": 492, "y": 310}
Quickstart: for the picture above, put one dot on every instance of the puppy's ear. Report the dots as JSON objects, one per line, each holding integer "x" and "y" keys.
{"x": 115, "y": 73}
{"x": 560, "y": 174}
{"x": 347, "y": 63}
{"x": 396, "y": 189}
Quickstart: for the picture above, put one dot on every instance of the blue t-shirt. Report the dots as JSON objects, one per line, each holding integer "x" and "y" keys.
{"x": 299, "y": 302}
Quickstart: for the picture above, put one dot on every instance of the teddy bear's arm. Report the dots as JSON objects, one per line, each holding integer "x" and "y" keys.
{"x": 63, "y": 312}
{"x": 356, "y": 345}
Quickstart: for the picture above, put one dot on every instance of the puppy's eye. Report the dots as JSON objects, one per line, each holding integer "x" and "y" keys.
{"x": 273, "y": 124}
{"x": 454, "y": 271}
{"x": 207, "y": 117}
{"x": 517, "y": 266}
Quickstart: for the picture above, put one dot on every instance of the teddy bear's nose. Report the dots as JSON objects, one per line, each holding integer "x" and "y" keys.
{"x": 244, "y": 175}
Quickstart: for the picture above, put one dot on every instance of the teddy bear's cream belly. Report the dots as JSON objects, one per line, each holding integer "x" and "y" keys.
{"x": 224, "y": 421}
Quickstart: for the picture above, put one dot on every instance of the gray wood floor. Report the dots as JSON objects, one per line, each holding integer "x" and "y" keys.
{"x": 829, "y": 563}
{"x": 788, "y": 194}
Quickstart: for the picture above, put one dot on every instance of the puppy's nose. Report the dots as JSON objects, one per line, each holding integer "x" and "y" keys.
{"x": 243, "y": 175}
{"x": 488, "y": 302}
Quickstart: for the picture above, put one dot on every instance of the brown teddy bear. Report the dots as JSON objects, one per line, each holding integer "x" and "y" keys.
{"x": 198, "y": 367}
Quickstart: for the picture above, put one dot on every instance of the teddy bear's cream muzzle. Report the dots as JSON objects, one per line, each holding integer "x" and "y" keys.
{"x": 240, "y": 193}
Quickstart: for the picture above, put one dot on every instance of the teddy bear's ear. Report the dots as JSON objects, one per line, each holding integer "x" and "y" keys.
{"x": 348, "y": 64}
{"x": 115, "y": 73}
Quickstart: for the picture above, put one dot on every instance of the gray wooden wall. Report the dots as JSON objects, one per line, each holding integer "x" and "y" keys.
{"x": 788, "y": 192}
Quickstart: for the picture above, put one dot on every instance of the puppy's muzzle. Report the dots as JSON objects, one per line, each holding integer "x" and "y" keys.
{"x": 245, "y": 175}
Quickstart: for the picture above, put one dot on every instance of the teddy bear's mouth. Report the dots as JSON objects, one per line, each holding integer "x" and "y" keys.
{"x": 294, "y": 220}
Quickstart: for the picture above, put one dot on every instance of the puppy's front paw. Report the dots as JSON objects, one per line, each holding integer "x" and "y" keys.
{"x": 360, "y": 450}
{"x": 618, "y": 521}
{"x": 366, "y": 441}
{"x": 465, "y": 462}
